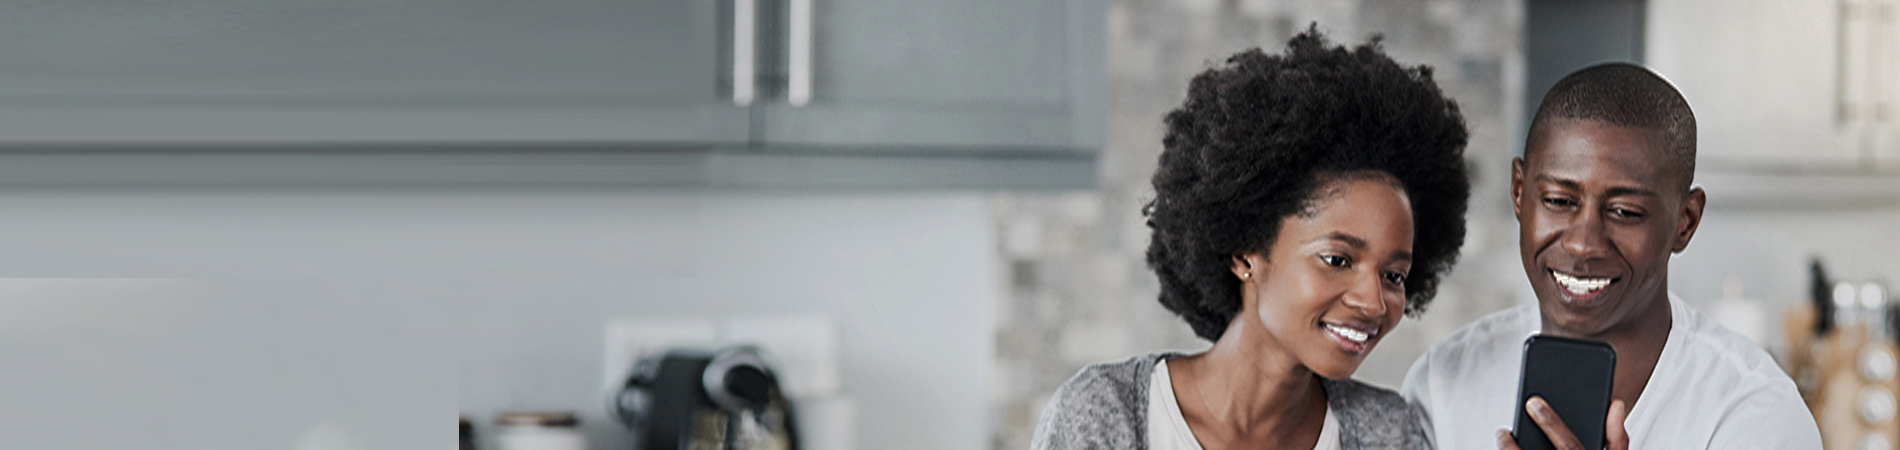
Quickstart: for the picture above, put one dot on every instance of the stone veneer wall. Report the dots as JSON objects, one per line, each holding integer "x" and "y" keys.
{"x": 1076, "y": 290}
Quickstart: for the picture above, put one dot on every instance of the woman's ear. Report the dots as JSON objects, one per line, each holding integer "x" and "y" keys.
{"x": 1243, "y": 265}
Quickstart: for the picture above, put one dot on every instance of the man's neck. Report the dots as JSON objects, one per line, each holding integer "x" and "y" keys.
{"x": 1639, "y": 345}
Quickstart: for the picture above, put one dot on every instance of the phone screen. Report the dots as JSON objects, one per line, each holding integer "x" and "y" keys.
{"x": 1573, "y": 376}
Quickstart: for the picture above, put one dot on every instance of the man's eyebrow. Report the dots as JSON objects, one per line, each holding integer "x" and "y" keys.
{"x": 1567, "y": 184}
{"x": 1622, "y": 191}
{"x": 1614, "y": 192}
{"x": 1354, "y": 241}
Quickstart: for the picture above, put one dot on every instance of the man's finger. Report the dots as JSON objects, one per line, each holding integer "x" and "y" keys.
{"x": 1553, "y": 426}
{"x": 1615, "y": 436}
{"x": 1505, "y": 442}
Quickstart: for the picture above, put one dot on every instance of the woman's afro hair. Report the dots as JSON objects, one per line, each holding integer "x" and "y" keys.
{"x": 1258, "y": 137}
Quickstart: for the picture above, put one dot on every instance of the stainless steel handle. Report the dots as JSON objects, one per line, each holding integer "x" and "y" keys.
{"x": 1843, "y": 98}
{"x": 1883, "y": 90}
{"x": 744, "y": 47}
{"x": 798, "y": 81}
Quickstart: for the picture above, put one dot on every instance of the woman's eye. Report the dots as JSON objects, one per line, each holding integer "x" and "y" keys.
{"x": 1335, "y": 260}
{"x": 1395, "y": 278}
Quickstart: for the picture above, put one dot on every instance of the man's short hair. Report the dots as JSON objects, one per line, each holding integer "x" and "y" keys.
{"x": 1625, "y": 95}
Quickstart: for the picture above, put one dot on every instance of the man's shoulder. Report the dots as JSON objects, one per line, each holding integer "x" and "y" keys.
{"x": 1715, "y": 351}
{"x": 1742, "y": 396}
{"x": 1495, "y": 335}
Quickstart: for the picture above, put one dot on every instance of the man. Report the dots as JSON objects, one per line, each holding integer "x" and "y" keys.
{"x": 1603, "y": 197}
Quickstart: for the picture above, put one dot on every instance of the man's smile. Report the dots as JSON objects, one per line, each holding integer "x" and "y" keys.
{"x": 1581, "y": 285}
{"x": 1580, "y": 290}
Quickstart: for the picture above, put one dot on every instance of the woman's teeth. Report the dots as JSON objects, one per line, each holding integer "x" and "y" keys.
{"x": 1356, "y": 336}
{"x": 1578, "y": 285}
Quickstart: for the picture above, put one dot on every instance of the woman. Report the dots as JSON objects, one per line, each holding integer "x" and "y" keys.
{"x": 1304, "y": 203}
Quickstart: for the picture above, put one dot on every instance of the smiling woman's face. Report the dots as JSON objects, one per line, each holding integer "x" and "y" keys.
{"x": 1333, "y": 282}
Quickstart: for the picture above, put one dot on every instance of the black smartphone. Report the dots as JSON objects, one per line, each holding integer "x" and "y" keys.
{"x": 1573, "y": 376}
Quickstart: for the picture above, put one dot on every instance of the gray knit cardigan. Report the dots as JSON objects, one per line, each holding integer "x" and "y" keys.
{"x": 1106, "y": 407}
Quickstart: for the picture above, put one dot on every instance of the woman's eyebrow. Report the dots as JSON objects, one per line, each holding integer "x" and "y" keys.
{"x": 1355, "y": 242}
{"x": 1358, "y": 243}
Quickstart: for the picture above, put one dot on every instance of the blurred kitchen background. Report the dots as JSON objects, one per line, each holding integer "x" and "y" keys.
{"x": 330, "y": 226}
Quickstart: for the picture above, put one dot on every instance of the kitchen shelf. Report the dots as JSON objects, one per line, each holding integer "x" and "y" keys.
{"x": 1811, "y": 188}
{"x": 535, "y": 165}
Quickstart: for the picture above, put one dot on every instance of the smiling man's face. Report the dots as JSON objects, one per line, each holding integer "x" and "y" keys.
{"x": 1599, "y": 212}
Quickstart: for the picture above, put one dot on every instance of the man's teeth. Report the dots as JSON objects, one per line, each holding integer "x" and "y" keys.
{"x": 1580, "y": 285}
{"x": 1356, "y": 336}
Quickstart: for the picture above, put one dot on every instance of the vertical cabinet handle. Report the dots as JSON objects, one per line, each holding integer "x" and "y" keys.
{"x": 798, "y": 81}
{"x": 1886, "y": 63}
{"x": 744, "y": 27}
{"x": 1843, "y": 77}
{"x": 1864, "y": 88}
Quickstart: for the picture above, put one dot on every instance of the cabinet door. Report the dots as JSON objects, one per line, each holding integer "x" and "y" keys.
{"x": 364, "y": 70}
{"x": 956, "y": 73}
{"x": 1762, "y": 76}
{"x": 1885, "y": 77}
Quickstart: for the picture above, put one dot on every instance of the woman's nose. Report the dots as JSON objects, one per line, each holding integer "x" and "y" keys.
{"x": 1367, "y": 295}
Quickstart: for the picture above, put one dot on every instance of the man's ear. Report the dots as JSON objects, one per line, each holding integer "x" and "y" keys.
{"x": 1691, "y": 218}
{"x": 1517, "y": 187}
{"x": 1242, "y": 264}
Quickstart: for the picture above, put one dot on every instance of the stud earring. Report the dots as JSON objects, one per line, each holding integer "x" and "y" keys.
{"x": 1246, "y": 274}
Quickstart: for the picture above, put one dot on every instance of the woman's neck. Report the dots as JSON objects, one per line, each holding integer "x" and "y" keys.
{"x": 1248, "y": 389}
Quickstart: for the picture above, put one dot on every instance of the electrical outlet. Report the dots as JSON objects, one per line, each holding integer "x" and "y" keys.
{"x": 628, "y": 339}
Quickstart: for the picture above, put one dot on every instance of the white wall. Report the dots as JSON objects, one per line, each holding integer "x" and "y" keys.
{"x": 1769, "y": 251}
{"x": 339, "y": 320}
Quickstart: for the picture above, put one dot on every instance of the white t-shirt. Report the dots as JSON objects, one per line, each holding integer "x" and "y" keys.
{"x": 1168, "y": 429}
{"x": 1712, "y": 388}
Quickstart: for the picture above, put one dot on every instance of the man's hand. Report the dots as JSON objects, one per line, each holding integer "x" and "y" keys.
{"x": 1616, "y": 437}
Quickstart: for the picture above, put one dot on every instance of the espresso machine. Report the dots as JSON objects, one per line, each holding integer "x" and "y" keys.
{"x": 689, "y": 399}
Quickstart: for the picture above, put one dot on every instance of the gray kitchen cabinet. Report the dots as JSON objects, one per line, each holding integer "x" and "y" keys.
{"x": 923, "y": 93}
{"x": 948, "y": 75}
{"x": 1780, "y": 85}
{"x": 1795, "y": 101}
{"x": 364, "y": 71}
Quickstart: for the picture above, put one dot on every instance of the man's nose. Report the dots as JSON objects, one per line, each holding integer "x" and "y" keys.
{"x": 1586, "y": 237}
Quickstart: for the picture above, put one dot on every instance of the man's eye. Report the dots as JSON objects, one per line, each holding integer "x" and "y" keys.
{"x": 1335, "y": 260}
{"x": 1626, "y": 213}
{"x": 1559, "y": 202}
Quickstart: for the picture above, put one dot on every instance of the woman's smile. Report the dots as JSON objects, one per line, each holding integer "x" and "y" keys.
{"x": 1354, "y": 340}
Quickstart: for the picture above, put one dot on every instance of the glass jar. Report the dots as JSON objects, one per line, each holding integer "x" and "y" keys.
{"x": 519, "y": 430}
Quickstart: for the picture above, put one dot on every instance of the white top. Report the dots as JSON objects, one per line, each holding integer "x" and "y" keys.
{"x": 1712, "y": 388}
{"x": 1168, "y": 430}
